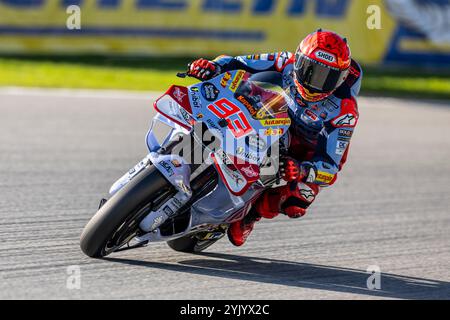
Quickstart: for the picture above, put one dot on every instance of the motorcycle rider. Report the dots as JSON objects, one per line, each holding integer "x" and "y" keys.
{"x": 324, "y": 81}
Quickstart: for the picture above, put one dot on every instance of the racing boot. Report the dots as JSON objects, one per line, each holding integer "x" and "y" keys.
{"x": 239, "y": 231}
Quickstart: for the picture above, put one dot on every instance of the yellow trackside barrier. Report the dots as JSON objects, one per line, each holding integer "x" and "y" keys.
{"x": 376, "y": 29}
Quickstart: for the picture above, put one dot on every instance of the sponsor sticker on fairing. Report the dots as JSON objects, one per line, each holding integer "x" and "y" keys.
{"x": 247, "y": 155}
{"x": 186, "y": 116}
{"x": 224, "y": 81}
{"x": 212, "y": 124}
{"x": 274, "y": 132}
{"x": 156, "y": 222}
{"x": 237, "y": 80}
{"x": 247, "y": 105}
{"x": 255, "y": 142}
{"x": 209, "y": 91}
{"x": 166, "y": 167}
{"x": 196, "y": 101}
{"x": 276, "y": 122}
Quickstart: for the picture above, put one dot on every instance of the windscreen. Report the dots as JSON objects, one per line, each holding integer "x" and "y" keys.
{"x": 263, "y": 100}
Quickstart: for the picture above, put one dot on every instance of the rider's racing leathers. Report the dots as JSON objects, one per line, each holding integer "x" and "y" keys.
{"x": 319, "y": 135}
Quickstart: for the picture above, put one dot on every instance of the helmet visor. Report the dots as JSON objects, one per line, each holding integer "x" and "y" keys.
{"x": 317, "y": 76}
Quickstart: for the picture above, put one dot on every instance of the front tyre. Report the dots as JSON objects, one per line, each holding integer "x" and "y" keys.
{"x": 117, "y": 221}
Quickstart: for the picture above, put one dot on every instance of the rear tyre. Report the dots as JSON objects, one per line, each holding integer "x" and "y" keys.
{"x": 117, "y": 221}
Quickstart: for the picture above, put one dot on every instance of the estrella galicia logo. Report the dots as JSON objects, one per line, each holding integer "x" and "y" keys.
{"x": 209, "y": 91}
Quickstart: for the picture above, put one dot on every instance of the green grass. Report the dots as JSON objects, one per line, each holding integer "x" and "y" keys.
{"x": 93, "y": 74}
{"x": 403, "y": 83}
{"x": 156, "y": 74}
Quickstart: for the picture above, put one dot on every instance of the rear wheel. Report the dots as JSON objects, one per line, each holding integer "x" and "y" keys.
{"x": 117, "y": 221}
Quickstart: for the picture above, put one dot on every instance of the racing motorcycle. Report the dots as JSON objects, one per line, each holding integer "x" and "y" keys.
{"x": 213, "y": 149}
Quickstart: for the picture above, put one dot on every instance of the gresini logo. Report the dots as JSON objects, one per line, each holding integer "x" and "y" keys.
{"x": 178, "y": 94}
{"x": 249, "y": 172}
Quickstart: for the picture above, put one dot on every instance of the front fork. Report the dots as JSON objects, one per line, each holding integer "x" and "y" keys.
{"x": 178, "y": 173}
{"x": 174, "y": 168}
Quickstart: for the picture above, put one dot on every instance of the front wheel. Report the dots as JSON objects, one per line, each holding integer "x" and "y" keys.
{"x": 117, "y": 221}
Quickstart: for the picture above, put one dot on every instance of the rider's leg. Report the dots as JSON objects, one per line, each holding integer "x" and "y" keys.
{"x": 239, "y": 231}
{"x": 299, "y": 197}
{"x": 292, "y": 200}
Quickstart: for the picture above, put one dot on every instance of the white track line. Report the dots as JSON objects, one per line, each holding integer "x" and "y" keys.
{"x": 78, "y": 93}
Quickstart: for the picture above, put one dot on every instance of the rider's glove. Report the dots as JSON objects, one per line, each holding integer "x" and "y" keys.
{"x": 203, "y": 69}
{"x": 289, "y": 169}
{"x": 308, "y": 172}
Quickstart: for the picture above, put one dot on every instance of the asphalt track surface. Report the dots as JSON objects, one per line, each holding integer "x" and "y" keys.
{"x": 61, "y": 150}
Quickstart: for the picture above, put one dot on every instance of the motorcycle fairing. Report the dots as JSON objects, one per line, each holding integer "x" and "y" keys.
{"x": 179, "y": 108}
{"x": 175, "y": 170}
{"x": 169, "y": 106}
{"x": 237, "y": 175}
{"x": 152, "y": 142}
{"x": 122, "y": 181}
{"x": 241, "y": 152}
{"x": 245, "y": 139}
